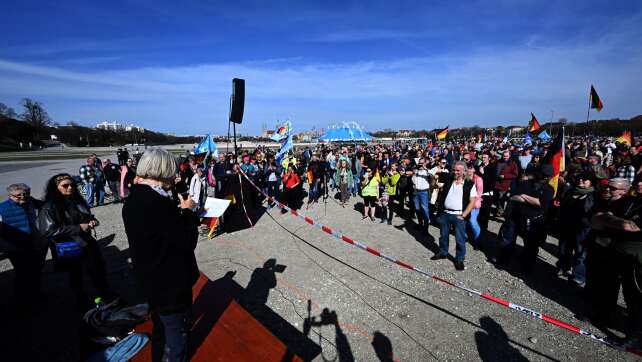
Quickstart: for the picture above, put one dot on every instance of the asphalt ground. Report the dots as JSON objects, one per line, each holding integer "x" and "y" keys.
{"x": 416, "y": 317}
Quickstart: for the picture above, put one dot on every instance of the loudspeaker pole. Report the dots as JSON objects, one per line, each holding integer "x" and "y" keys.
{"x": 236, "y": 154}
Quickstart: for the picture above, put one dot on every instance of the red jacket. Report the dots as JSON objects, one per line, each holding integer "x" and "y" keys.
{"x": 291, "y": 179}
{"x": 510, "y": 171}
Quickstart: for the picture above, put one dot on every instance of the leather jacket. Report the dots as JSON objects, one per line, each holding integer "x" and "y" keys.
{"x": 60, "y": 224}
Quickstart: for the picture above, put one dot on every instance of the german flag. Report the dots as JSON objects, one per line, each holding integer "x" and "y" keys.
{"x": 441, "y": 135}
{"x": 555, "y": 157}
{"x": 212, "y": 224}
{"x": 596, "y": 102}
{"x": 200, "y": 158}
{"x": 625, "y": 138}
{"x": 533, "y": 125}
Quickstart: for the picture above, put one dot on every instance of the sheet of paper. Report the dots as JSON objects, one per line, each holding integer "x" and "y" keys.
{"x": 215, "y": 207}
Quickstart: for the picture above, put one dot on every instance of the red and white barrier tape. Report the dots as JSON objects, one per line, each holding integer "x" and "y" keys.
{"x": 505, "y": 303}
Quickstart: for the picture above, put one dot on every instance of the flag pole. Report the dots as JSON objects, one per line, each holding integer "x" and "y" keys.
{"x": 588, "y": 112}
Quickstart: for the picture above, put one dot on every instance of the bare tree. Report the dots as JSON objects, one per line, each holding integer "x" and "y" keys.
{"x": 7, "y": 112}
{"x": 35, "y": 115}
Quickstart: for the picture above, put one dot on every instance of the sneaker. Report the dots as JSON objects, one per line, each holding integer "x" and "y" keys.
{"x": 438, "y": 257}
{"x": 459, "y": 265}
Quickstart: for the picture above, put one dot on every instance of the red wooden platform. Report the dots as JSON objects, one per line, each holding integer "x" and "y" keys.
{"x": 223, "y": 329}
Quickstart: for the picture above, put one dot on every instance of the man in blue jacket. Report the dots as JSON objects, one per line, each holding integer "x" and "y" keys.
{"x": 20, "y": 240}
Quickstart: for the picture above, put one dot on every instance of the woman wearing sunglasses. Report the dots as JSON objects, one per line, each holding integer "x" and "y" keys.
{"x": 65, "y": 219}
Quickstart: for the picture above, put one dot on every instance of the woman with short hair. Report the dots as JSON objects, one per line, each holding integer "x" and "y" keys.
{"x": 162, "y": 239}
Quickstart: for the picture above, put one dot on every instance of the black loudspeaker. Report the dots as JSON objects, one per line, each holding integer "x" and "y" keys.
{"x": 238, "y": 100}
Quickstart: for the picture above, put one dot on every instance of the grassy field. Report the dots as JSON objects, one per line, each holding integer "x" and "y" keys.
{"x": 46, "y": 156}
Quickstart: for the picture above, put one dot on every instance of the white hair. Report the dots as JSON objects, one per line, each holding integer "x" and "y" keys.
{"x": 157, "y": 164}
{"x": 17, "y": 187}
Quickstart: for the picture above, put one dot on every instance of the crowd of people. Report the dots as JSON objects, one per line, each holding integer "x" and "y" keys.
{"x": 593, "y": 209}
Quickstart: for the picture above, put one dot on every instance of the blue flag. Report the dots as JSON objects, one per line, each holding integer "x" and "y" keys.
{"x": 544, "y": 136}
{"x": 282, "y": 132}
{"x": 207, "y": 147}
{"x": 528, "y": 140}
{"x": 285, "y": 147}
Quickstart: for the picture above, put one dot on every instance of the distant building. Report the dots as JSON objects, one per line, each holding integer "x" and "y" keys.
{"x": 112, "y": 126}
{"x": 404, "y": 133}
{"x": 132, "y": 127}
{"x": 267, "y": 133}
{"x": 303, "y": 137}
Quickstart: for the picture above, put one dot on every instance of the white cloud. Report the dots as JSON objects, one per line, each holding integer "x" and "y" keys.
{"x": 482, "y": 87}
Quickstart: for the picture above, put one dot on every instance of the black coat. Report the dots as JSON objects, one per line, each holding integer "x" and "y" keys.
{"x": 162, "y": 239}
{"x": 60, "y": 222}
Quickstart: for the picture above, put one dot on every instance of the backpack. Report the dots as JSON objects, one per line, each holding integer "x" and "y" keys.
{"x": 108, "y": 323}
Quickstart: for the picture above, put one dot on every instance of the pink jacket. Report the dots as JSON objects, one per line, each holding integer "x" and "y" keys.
{"x": 479, "y": 187}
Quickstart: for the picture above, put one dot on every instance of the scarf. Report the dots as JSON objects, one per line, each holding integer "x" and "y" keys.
{"x": 579, "y": 191}
{"x": 161, "y": 191}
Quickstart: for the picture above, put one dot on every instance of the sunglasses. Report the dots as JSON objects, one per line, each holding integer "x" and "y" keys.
{"x": 66, "y": 186}
{"x": 19, "y": 195}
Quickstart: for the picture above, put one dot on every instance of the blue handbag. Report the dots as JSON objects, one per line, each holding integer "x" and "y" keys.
{"x": 68, "y": 249}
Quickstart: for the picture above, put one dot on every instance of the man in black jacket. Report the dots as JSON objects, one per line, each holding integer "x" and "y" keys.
{"x": 112, "y": 175}
{"x": 162, "y": 239}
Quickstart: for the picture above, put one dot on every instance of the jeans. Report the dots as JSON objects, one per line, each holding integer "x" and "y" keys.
{"x": 355, "y": 185}
{"x": 330, "y": 176}
{"x": 445, "y": 220}
{"x": 124, "y": 350}
{"x": 89, "y": 193}
{"x": 170, "y": 336}
{"x": 474, "y": 225}
{"x": 315, "y": 187}
{"x": 114, "y": 186}
{"x": 421, "y": 204}
{"x": 99, "y": 191}
{"x": 272, "y": 188}
{"x": 573, "y": 254}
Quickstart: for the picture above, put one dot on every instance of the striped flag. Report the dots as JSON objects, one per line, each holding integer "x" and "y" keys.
{"x": 555, "y": 157}
{"x": 441, "y": 135}
{"x": 595, "y": 100}
{"x": 533, "y": 125}
{"x": 625, "y": 138}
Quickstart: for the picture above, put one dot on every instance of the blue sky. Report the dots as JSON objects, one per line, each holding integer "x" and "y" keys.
{"x": 168, "y": 65}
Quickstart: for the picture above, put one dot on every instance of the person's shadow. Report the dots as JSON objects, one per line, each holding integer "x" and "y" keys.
{"x": 327, "y": 317}
{"x": 492, "y": 343}
{"x": 382, "y": 346}
{"x": 262, "y": 280}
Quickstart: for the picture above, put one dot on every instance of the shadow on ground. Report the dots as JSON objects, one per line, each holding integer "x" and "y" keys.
{"x": 51, "y": 330}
